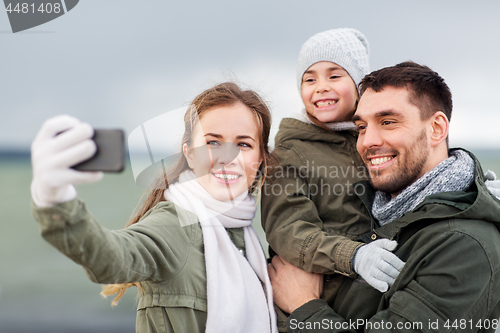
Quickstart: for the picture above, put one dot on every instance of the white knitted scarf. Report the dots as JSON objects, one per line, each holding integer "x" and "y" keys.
{"x": 239, "y": 294}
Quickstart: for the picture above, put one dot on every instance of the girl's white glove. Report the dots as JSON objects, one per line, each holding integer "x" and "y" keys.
{"x": 52, "y": 156}
{"x": 377, "y": 264}
{"x": 492, "y": 184}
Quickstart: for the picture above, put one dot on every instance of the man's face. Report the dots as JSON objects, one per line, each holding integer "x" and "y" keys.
{"x": 393, "y": 141}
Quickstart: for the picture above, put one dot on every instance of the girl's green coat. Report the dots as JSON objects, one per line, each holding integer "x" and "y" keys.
{"x": 310, "y": 211}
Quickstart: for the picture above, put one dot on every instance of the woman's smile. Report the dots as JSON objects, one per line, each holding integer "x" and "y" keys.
{"x": 225, "y": 156}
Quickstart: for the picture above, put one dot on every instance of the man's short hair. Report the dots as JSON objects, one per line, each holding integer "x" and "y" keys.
{"x": 427, "y": 89}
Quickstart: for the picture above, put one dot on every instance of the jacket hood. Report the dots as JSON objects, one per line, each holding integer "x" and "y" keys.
{"x": 475, "y": 203}
{"x": 294, "y": 129}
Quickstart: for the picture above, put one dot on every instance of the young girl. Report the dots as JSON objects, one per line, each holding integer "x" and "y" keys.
{"x": 310, "y": 211}
{"x": 191, "y": 249}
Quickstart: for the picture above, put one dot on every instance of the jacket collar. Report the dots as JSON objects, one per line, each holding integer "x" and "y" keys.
{"x": 294, "y": 129}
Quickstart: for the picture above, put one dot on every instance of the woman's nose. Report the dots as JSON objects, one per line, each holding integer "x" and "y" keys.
{"x": 225, "y": 154}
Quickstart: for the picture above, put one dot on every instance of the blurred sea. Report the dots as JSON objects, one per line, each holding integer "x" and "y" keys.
{"x": 43, "y": 291}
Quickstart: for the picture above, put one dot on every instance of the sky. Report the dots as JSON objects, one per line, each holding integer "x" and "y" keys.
{"x": 121, "y": 63}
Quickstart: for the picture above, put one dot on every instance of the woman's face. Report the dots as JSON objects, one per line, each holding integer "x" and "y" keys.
{"x": 225, "y": 151}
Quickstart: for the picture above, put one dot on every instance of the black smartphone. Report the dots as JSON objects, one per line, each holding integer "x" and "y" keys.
{"x": 110, "y": 154}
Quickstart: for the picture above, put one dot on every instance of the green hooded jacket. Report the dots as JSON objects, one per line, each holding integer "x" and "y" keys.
{"x": 450, "y": 282}
{"x": 310, "y": 212}
{"x": 163, "y": 251}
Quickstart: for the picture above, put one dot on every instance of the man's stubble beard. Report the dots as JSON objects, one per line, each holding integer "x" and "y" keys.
{"x": 408, "y": 172}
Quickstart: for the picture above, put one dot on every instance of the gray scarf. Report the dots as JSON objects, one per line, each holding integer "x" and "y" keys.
{"x": 455, "y": 173}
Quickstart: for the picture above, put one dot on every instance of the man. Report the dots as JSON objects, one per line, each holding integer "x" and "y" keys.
{"x": 432, "y": 201}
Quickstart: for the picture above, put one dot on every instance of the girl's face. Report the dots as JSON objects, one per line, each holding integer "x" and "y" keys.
{"x": 225, "y": 153}
{"x": 328, "y": 92}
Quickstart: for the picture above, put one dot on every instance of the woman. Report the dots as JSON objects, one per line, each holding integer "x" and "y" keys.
{"x": 191, "y": 248}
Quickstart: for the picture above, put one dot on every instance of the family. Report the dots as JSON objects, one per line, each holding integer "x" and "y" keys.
{"x": 373, "y": 222}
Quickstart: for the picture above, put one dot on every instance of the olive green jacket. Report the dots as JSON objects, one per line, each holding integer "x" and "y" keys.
{"x": 310, "y": 212}
{"x": 451, "y": 279}
{"x": 165, "y": 257}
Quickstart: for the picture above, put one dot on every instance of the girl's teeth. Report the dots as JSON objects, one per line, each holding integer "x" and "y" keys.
{"x": 382, "y": 160}
{"x": 225, "y": 176}
{"x": 321, "y": 104}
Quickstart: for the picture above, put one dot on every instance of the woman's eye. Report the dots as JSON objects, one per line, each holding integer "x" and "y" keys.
{"x": 244, "y": 144}
{"x": 334, "y": 76}
{"x": 309, "y": 80}
{"x": 213, "y": 143}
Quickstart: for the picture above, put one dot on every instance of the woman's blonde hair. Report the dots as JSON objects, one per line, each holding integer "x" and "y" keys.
{"x": 224, "y": 94}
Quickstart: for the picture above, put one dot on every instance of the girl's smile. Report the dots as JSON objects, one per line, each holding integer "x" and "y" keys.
{"x": 328, "y": 92}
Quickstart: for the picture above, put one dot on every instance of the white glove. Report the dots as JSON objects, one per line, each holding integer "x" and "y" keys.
{"x": 377, "y": 264}
{"x": 492, "y": 184}
{"x": 52, "y": 156}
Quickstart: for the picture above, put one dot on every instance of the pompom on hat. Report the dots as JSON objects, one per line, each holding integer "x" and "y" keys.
{"x": 346, "y": 47}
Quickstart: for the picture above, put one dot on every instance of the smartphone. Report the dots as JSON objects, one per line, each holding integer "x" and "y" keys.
{"x": 110, "y": 154}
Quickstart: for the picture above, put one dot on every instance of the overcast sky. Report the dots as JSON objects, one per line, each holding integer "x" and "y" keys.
{"x": 120, "y": 63}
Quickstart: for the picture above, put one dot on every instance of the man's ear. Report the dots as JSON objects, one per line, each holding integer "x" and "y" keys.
{"x": 188, "y": 155}
{"x": 439, "y": 128}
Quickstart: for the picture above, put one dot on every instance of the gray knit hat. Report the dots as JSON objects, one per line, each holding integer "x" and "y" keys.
{"x": 345, "y": 47}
